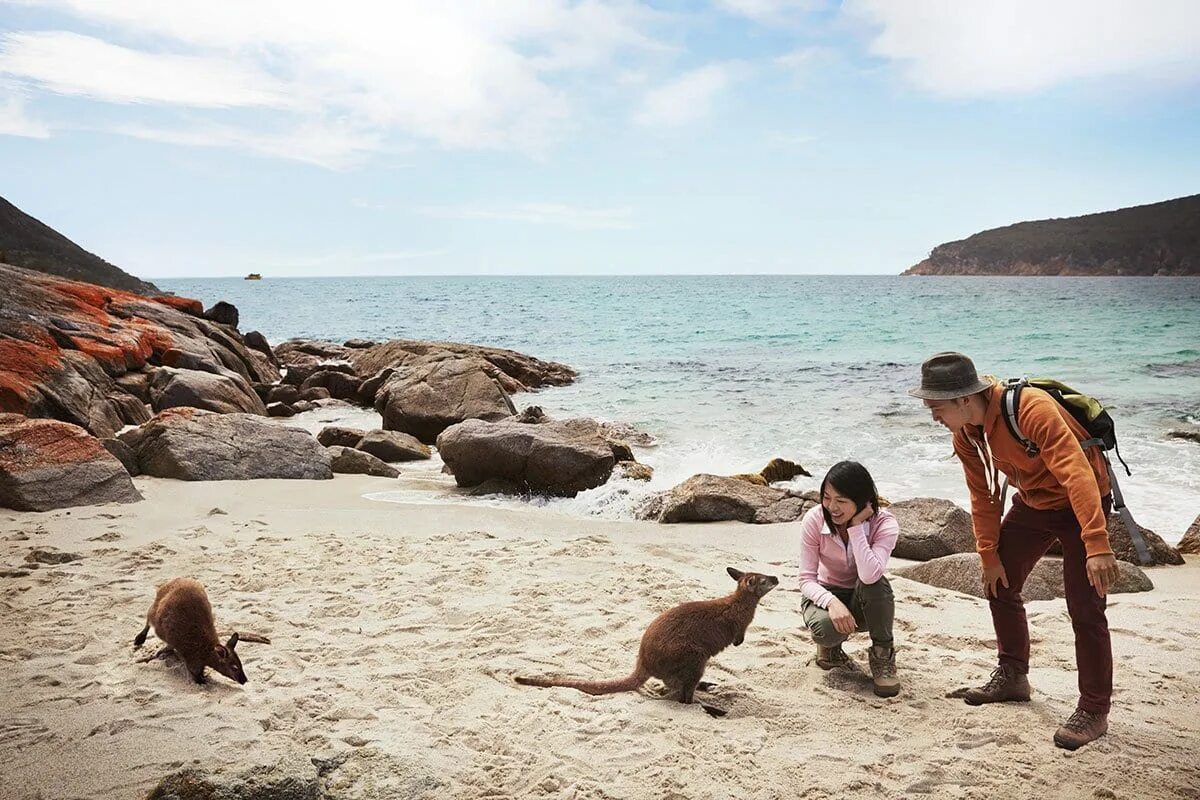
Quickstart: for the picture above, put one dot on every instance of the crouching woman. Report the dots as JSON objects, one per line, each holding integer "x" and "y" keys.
{"x": 845, "y": 545}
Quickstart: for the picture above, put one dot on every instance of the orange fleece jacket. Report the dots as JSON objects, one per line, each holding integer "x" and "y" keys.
{"x": 1062, "y": 475}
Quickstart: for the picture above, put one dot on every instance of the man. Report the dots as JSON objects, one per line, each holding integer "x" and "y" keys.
{"x": 1062, "y": 492}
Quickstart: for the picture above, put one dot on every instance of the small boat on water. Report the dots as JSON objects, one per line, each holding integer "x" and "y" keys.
{"x": 254, "y": 276}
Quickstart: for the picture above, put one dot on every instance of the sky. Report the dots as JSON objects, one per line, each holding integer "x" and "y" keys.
{"x": 192, "y": 138}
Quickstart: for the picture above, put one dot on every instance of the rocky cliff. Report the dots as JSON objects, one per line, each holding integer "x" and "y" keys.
{"x": 1157, "y": 239}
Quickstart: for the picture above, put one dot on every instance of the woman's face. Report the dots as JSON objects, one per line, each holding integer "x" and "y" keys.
{"x": 841, "y": 508}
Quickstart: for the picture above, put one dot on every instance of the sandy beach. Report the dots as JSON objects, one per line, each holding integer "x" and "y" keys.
{"x": 397, "y": 629}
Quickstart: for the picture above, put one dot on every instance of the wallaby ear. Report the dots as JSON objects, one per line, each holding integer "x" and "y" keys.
{"x": 233, "y": 640}
{"x": 733, "y": 573}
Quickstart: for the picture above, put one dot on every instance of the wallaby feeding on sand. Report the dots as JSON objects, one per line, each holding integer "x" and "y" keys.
{"x": 182, "y": 618}
{"x": 677, "y": 645}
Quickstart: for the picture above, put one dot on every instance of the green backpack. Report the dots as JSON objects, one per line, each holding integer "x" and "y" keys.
{"x": 1089, "y": 413}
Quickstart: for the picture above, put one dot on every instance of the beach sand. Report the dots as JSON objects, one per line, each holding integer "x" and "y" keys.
{"x": 399, "y": 627}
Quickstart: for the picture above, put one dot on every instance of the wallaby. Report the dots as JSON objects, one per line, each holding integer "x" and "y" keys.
{"x": 182, "y": 618}
{"x": 679, "y": 642}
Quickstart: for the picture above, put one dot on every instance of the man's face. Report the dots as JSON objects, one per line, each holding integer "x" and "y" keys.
{"x": 951, "y": 413}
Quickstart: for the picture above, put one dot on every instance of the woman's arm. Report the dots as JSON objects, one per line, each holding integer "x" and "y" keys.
{"x": 871, "y": 557}
{"x": 810, "y": 558}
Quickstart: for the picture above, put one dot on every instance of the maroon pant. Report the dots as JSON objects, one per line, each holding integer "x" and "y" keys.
{"x": 1025, "y": 534}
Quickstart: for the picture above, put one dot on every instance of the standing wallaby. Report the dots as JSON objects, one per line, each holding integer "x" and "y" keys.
{"x": 679, "y": 642}
{"x": 182, "y": 618}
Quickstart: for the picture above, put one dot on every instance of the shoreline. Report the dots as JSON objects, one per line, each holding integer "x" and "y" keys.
{"x": 396, "y": 628}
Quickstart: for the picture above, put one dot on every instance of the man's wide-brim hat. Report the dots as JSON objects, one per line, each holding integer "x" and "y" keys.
{"x": 947, "y": 376}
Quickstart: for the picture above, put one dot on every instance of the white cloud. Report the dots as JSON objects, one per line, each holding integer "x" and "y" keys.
{"x": 685, "y": 99}
{"x": 315, "y": 142}
{"x": 455, "y": 73}
{"x": 976, "y": 47}
{"x": 70, "y": 64}
{"x": 545, "y": 214}
{"x": 15, "y": 119}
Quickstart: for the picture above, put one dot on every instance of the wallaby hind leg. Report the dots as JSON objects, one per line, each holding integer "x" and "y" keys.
{"x": 162, "y": 651}
{"x": 140, "y": 639}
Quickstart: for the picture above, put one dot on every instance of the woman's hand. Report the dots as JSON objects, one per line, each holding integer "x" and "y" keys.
{"x": 867, "y": 512}
{"x": 843, "y": 620}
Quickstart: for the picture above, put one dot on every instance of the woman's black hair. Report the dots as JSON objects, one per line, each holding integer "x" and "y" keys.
{"x": 852, "y": 480}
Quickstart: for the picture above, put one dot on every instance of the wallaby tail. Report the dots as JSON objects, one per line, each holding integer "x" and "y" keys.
{"x": 635, "y": 679}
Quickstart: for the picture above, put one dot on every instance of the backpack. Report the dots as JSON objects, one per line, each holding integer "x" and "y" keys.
{"x": 1090, "y": 414}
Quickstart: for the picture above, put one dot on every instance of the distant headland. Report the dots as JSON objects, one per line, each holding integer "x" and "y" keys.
{"x": 1156, "y": 239}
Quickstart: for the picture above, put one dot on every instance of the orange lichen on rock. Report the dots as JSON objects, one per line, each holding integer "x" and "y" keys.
{"x": 42, "y": 442}
{"x": 23, "y": 365}
{"x": 184, "y": 304}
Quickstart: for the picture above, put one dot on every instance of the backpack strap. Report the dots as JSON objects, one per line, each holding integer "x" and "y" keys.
{"x": 1010, "y": 405}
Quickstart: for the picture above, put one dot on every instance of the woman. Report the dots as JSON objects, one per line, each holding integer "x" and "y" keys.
{"x": 844, "y": 549}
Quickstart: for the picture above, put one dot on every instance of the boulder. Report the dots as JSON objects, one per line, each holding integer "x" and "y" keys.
{"x": 280, "y": 410}
{"x": 1122, "y": 546}
{"x": 359, "y": 344}
{"x": 427, "y": 398}
{"x": 123, "y": 453}
{"x": 516, "y": 372}
{"x": 136, "y": 384}
{"x": 1190, "y": 543}
{"x": 1188, "y": 434}
{"x": 962, "y": 572}
{"x": 392, "y": 446}
{"x": 314, "y": 393}
{"x": 181, "y": 359}
{"x": 223, "y": 313}
{"x": 369, "y": 388}
{"x": 257, "y": 342}
{"x": 131, "y": 410}
{"x": 300, "y": 406}
{"x": 194, "y": 445}
{"x": 224, "y": 394}
{"x": 47, "y": 464}
{"x": 931, "y": 528}
{"x": 715, "y": 498}
{"x": 632, "y": 470}
{"x": 338, "y": 435}
{"x": 555, "y": 458}
{"x": 358, "y": 462}
{"x": 340, "y": 385}
{"x": 283, "y": 393}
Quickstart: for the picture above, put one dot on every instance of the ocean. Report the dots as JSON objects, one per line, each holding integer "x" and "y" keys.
{"x": 730, "y": 371}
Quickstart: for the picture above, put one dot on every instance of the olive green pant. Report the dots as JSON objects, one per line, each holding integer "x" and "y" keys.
{"x": 873, "y": 607}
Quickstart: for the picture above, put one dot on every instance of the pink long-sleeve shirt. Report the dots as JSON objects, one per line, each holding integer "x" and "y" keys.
{"x": 824, "y": 559}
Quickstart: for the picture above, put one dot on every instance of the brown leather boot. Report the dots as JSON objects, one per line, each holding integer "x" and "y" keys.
{"x": 1005, "y": 685}
{"x": 832, "y": 657}
{"x": 1081, "y": 728}
{"x": 883, "y": 670}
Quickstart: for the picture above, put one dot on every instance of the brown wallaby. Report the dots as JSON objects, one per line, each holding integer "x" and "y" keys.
{"x": 182, "y": 618}
{"x": 679, "y": 642}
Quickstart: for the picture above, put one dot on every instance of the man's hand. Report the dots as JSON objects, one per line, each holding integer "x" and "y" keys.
{"x": 843, "y": 620}
{"x": 993, "y": 578}
{"x": 867, "y": 512}
{"x": 1102, "y": 572}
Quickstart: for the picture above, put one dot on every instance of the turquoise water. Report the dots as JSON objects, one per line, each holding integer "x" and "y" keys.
{"x": 731, "y": 371}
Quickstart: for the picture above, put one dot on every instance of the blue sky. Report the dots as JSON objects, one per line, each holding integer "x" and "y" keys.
{"x": 213, "y": 138}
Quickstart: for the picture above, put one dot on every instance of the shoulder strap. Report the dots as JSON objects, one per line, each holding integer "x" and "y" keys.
{"x": 1010, "y": 404}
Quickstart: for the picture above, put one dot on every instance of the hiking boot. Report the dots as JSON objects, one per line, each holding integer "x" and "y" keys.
{"x": 1005, "y": 685}
{"x": 832, "y": 657}
{"x": 1081, "y": 728}
{"x": 883, "y": 670}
